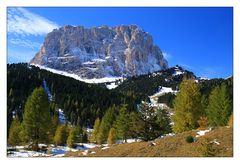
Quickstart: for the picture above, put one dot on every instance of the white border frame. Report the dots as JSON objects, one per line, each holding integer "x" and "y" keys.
{"x": 123, "y": 3}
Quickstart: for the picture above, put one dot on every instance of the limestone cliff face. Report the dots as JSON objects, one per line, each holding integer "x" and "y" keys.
{"x": 100, "y": 51}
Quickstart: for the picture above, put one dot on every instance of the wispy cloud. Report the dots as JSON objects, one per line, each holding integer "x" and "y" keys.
{"x": 167, "y": 55}
{"x": 23, "y": 22}
{"x": 204, "y": 71}
{"x": 25, "y": 43}
{"x": 186, "y": 66}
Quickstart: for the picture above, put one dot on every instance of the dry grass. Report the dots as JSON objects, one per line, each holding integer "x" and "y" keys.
{"x": 172, "y": 146}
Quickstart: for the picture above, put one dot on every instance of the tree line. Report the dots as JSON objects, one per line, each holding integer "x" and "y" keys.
{"x": 113, "y": 114}
{"x": 119, "y": 122}
{"x": 40, "y": 126}
{"x": 82, "y": 102}
{"x": 193, "y": 109}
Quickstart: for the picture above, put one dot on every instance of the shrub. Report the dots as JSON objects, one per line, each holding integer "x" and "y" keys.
{"x": 203, "y": 122}
{"x": 207, "y": 148}
{"x": 189, "y": 139}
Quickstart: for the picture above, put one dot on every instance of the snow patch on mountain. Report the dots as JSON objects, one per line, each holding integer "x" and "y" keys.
{"x": 161, "y": 91}
{"x": 91, "y": 81}
{"x": 111, "y": 85}
{"x": 178, "y": 71}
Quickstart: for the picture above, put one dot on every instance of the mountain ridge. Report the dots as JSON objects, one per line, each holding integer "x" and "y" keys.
{"x": 124, "y": 50}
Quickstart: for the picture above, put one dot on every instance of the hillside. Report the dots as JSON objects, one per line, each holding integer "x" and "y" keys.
{"x": 85, "y": 102}
{"x": 139, "y": 107}
{"x": 171, "y": 146}
{"x": 80, "y": 101}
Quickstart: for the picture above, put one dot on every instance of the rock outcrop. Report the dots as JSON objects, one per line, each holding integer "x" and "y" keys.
{"x": 100, "y": 51}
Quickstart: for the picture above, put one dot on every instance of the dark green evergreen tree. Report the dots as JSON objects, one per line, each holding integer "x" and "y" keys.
{"x": 79, "y": 133}
{"x": 72, "y": 138}
{"x": 122, "y": 123}
{"x": 156, "y": 122}
{"x": 136, "y": 125}
{"x": 53, "y": 125}
{"x": 106, "y": 124}
{"x": 36, "y": 119}
{"x": 219, "y": 107}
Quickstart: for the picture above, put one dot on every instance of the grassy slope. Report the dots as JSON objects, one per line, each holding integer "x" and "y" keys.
{"x": 174, "y": 146}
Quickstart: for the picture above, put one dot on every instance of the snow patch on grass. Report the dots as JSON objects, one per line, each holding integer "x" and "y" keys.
{"x": 25, "y": 153}
{"x": 202, "y": 132}
{"x": 104, "y": 148}
{"x": 52, "y": 151}
{"x": 215, "y": 142}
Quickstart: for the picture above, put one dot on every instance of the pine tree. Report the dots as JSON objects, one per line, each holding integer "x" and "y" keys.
{"x": 136, "y": 125}
{"x": 72, "y": 138}
{"x": 79, "y": 133}
{"x": 106, "y": 124}
{"x": 204, "y": 104}
{"x": 61, "y": 135}
{"x": 14, "y": 137}
{"x": 149, "y": 122}
{"x": 54, "y": 125}
{"x": 187, "y": 107}
{"x": 122, "y": 126}
{"x": 36, "y": 118}
{"x": 85, "y": 137}
{"x": 219, "y": 107}
{"x": 161, "y": 123}
{"x": 95, "y": 130}
{"x": 111, "y": 136}
{"x": 155, "y": 122}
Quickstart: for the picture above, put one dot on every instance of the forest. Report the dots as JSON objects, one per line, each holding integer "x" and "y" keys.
{"x": 119, "y": 113}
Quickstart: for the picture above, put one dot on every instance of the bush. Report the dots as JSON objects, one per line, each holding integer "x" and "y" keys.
{"x": 189, "y": 139}
{"x": 207, "y": 148}
{"x": 203, "y": 122}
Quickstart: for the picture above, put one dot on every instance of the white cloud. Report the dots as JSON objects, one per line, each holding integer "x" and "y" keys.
{"x": 167, "y": 55}
{"x": 186, "y": 66}
{"x": 25, "y": 43}
{"x": 23, "y": 22}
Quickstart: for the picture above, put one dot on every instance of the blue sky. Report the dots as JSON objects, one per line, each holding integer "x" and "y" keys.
{"x": 199, "y": 39}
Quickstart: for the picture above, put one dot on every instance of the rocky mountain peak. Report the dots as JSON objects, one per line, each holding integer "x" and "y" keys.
{"x": 98, "y": 52}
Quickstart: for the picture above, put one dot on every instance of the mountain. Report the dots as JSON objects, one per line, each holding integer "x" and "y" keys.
{"x": 99, "y": 52}
{"x": 146, "y": 85}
